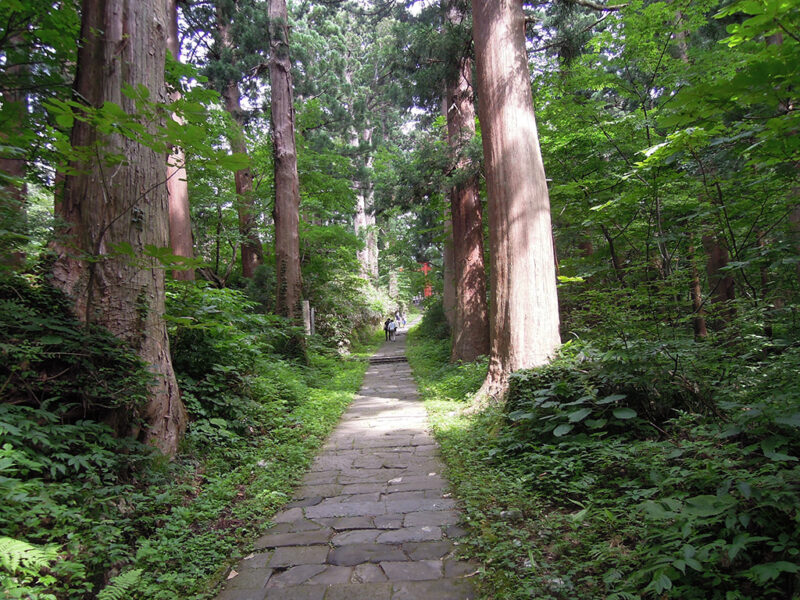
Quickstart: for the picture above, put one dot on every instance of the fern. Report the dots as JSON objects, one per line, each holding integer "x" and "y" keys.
{"x": 16, "y": 555}
{"x": 116, "y": 590}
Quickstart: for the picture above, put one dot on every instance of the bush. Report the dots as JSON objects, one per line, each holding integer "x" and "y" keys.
{"x": 434, "y": 324}
{"x": 48, "y": 357}
{"x": 713, "y": 482}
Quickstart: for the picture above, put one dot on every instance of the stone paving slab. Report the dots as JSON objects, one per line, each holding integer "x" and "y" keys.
{"x": 373, "y": 518}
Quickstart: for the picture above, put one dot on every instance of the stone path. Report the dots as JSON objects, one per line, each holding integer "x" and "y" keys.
{"x": 372, "y": 519}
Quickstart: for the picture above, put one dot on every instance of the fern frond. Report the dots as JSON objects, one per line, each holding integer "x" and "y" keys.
{"x": 119, "y": 586}
{"x": 18, "y": 553}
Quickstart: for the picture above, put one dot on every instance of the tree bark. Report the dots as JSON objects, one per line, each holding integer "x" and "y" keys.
{"x": 364, "y": 222}
{"x": 122, "y": 203}
{"x": 372, "y": 240}
{"x": 471, "y": 316}
{"x": 12, "y": 122}
{"x": 360, "y": 229}
{"x": 696, "y": 291}
{"x": 180, "y": 221}
{"x": 448, "y": 274}
{"x": 524, "y": 301}
{"x": 794, "y": 222}
{"x": 369, "y": 209}
{"x": 723, "y": 286}
{"x": 252, "y": 252}
{"x": 287, "y": 187}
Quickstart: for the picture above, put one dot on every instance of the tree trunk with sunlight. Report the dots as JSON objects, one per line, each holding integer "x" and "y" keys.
{"x": 287, "y": 187}
{"x": 471, "y": 316}
{"x": 110, "y": 203}
{"x": 180, "y": 223}
{"x": 364, "y": 221}
{"x": 524, "y": 303}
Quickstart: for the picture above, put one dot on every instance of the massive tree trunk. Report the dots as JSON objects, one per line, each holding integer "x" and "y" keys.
{"x": 252, "y": 252}
{"x": 723, "y": 286}
{"x": 696, "y": 291}
{"x": 524, "y": 302}
{"x": 13, "y": 116}
{"x": 794, "y": 222}
{"x": 372, "y": 241}
{"x": 180, "y": 222}
{"x": 471, "y": 315}
{"x": 369, "y": 208}
{"x": 449, "y": 299}
{"x": 364, "y": 222}
{"x": 287, "y": 190}
{"x": 360, "y": 229}
{"x": 122, "y": 203}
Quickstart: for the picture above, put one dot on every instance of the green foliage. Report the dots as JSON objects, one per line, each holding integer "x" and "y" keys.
{"x": 440, "y": 379}
{"x": 87, "y": 513}
{"x": 25, "y": 566}
{"x": 48, "y": 358}
{"x": 434, "y": 324}
{"x": 569, "y": 494}
{"x": 119, "y": 586}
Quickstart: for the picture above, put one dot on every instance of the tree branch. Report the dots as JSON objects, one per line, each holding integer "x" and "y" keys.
{"x": 595, "y": 6}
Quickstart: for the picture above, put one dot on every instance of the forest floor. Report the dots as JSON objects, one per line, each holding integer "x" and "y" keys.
{"x": 372, "y": 518}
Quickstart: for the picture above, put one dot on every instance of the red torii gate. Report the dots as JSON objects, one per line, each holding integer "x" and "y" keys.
{"x": 426, "y": 268}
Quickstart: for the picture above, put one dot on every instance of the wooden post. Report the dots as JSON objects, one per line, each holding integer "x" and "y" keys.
{"x": 307, "y": 317}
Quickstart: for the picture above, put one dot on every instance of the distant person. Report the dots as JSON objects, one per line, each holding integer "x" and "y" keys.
{"x": 392, "y": 329}
{"x": 386, "y": 328}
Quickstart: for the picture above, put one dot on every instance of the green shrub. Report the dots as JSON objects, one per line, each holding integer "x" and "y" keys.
{"x": 48, "y": 357}
{"x": 434, "y": 323}
{"x": 638, "y": 472}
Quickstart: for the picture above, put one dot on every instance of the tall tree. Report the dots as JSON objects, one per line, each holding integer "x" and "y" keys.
{"x": 251, "y": 250}
{"x": 471, "y": 316}
{"x": 109, "y": 201}
{"x": 524, "y": 302}
{"x": 287, "y": 191}
{"x": 449, "y": 295}
{"x": 13, "y": 112}
{"x": 180, "y": 224}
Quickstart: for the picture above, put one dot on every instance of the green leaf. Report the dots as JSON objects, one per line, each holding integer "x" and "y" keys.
{"x": 562, "y": 430}
{"x": 793, "y": 420}
{"x": 661, "y": 583}
{"x": 579, "y": 415}
{"x": 656, "y": 511}
{"x": 65, "y": 120}
{"x": 769, "y": 571}
{"x": 233, "y": 162}
{"x": 624, "y": 413}
{"x": 705, "y": 505}
{"x": 611, "y": 398}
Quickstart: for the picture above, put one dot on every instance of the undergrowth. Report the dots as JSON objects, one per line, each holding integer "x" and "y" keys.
{"x": 88, "y": 512}
{"x": 615, "y": 475}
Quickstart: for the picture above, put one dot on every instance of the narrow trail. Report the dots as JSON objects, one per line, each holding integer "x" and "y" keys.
{"x": 372, "y": 519}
